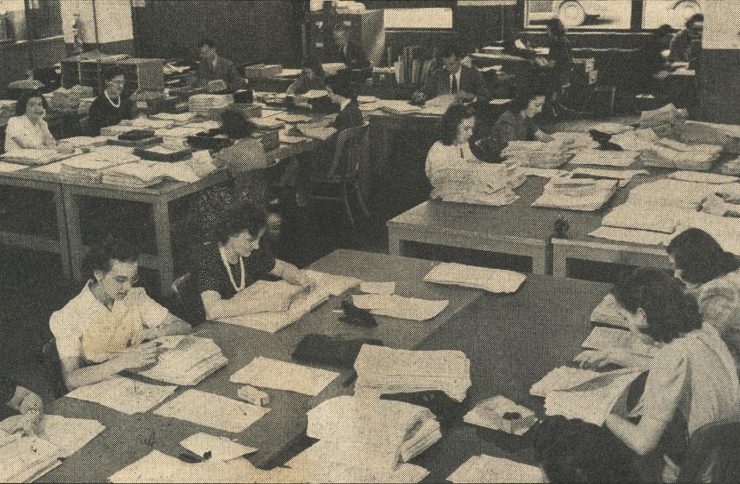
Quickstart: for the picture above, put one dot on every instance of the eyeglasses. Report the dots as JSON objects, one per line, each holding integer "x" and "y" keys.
{"x": 123, "y": 280}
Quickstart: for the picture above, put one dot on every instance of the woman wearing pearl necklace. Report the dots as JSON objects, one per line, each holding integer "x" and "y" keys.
{"x": 110, "y": 107}
{"x": 236, "y": 260}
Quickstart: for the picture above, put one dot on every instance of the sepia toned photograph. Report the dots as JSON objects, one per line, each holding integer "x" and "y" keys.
{"x": 313, "y": 241}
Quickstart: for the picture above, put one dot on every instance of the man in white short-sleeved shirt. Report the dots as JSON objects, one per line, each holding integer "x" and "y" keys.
{"x": 100, "y": 331}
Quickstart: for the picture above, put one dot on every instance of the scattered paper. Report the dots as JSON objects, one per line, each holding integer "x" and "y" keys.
{"x": 69, "y": 435}
{"x": 123, "y": 394}
{"x": 212, "y": 411}
{"x": 396, "y": 306}
{"x": 491, "y": 280}
{"x": 378, "y": 287}
{"x": 220, "y": 448}
{"x": 699, "y": 177}
{"x": 493, "y": 412}
{"x": 484, "y": 468}
{"x": 24, "y": 459}
{"x": 282, "y": 375}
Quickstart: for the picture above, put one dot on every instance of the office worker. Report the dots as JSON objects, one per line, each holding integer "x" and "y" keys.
{"x": 102, "y": 330}
{"x": 28, "y": 129}
{"x": 466, "y": 83}
{"x": 111, "y": 107}
{"x": 235, "y": 259}
{"x": 452, "y": 148}
{"x": 213, "y": 67}
{"x": 349, "y": 52}
{"x": 686, "y": 45}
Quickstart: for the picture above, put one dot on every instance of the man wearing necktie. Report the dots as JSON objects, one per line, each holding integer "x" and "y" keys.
{"x": 465, "y": 83}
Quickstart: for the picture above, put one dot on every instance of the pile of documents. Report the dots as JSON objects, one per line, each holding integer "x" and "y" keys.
{"x": 537, "y": 154}
{"x": 500, "y": 413}
{"x": 663, "y": 118}
{"x": 695, "y": 132}
{"x": 209, "y": 104}
{"x": 395, "y": 306}
{"x": 667, "y": 153}
{"x": 213, "y": 411}
{"x": 63, "y": 100}
{"x": 484, "y": 468}
{"x": 491, "y": 280}
{"x": 85, "y": 168}
{"x": 621, "y": 159}
{"x": 635, "y": 140}
{"x": 367, "y": 436}
{"x": 177, "y": 118}
{"x": 619, "y": 339}
{"x": 85, "y": 141}
{"x": 283, "y": 375}
{"x": 644, "y": 217}
{"x": 479, "y": 184}
{"x": 584, "y": 394}
{"x": 25, "y": 459}
{"x": 382, "y": 370}
{"x": 582, "y": 194}
{"x": 142, "y": 174}
{"x": 124, "y": 394}
{"x": 185, "y": 360}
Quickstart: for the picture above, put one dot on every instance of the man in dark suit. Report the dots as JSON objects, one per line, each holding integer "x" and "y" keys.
{"x": 213, "y": 67}
{"x": 466, "y": 83}
{"x": 349, "y": 52}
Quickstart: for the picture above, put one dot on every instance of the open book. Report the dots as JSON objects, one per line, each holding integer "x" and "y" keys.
{"x": 186, "y": 360}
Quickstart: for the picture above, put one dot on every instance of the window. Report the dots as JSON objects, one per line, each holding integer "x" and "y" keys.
{"x": 418, "y": 18}
{"x": 671, "y": 12}
{"x": 580, "y": 14}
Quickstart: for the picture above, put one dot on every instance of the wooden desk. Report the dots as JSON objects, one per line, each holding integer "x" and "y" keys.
{"x": 514, "y": 229}
{"x": 129, "y": 438}
{"x": 512, "y": 342}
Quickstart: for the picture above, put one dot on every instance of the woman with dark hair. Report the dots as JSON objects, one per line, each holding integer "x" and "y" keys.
{"x": 692, "y": 374}
{"x": 234, "y": 261}
{"x": 311, "y": 77}
{"x": 28, "y": 129}
{"x": 712, "y": 276}
{"x": 456, "y": 128}
{"x": 515, "y": 124}
{"x": 111, "y": 107}
{"x": 686, "y": 45}
{"x": 99, "y": 332}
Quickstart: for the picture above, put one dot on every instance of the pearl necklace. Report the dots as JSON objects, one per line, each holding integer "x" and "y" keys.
{"x": 228, "y": 270}
{"x": 111, "y": 100}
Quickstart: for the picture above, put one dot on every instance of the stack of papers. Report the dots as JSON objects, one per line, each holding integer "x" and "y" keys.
{"x": 622, "y": 159}
{"x": 152, "y": 124}
{"x": 185, "y": 360}
{"x": 34, "y": 156}
{"x": 637, "y": 140}
{"x": 491, "y": 280}
{"x": 212, "y": 411}
{"x": 607, "y": 312}
{"x": 321, "y": 133}
{"x": 613, "y": 338}
{"x": 641, "y": 217}
{"x": 382, "y": 370}
{"x": 178, "y": 118}
{"x": 293, "y": 118}
{"x": 665, "y": 116}
{"x": 10, "y": 167}
{"x": 698, "y": 177}
{"x": 500, "y": 413}
{"x": 142, "y": 174}
{"x": 204, "y": 104}
{"x": 674, "y": 154}
{"x": 85, "y": 141}
{"x": 370, "y": 434}
{"x": 484, "y": 468}
{"x": 282, "y": 375}
{"x": 479, "y": 184}
{"x": 593, "y": 400}
{"x": 395, "y": 306}
{"x": 272, "y": 322}
{"x": 542, "y": 172}
{"x": 582, "y": 194}
{"x": 400, "y": 107}
{"x": 123, "y": 394}
{"x": 333, "y": 284}
{"x": 85, "y": 168}
{"x": 574, "y": 141}
{"x": 537, "y": 154}
{"x": 24, "y": 459}
{"x": 115, "y": 130}
{"x": 670, "y": 193}
{"x": 611, "y": 128}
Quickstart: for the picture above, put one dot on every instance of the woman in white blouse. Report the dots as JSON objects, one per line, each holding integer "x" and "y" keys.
{"x": 456, "y": 128}
{"x": 28, "y": 129}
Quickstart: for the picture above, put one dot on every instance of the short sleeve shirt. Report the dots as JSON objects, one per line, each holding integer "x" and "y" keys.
{"x": 72, "y": 321}
{"x": 22, "y": 133}
{"x": 695, "y": 375}
{"x": 213, "y": 276}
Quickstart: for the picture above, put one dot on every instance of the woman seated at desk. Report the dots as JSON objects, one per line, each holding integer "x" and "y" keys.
{"x": 28, "y": 129}
{"x": 310, "y": 78}
{"x": 101, "y": 330}
{"x": 235, "y": 261}
{"x": 27, "y": 404}
{"x": 515, "y": 124}
{"x": 456, "y": 128}
{"x": 712, "y": 276}
{"x": 110, "y": 108}
{"x": 686, "y": 45}
{"x": 649, "y": 60}
{"x": 692, "y": 374}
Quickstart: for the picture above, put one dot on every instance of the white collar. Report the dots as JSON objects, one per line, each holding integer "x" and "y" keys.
{"x": 344, "y": 104}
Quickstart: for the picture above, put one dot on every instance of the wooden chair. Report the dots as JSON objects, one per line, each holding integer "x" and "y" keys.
{"x": 351, "y": 152}
{"x": 53, "y": 368}
{"x": 720, "y": 437}
{"x": 190, "y": 306}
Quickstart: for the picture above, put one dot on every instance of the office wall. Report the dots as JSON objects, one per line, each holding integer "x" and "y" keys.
{"x": 246, "y": 31}
{"x": 115, "y": 31}
{"x": 720, "y": 63}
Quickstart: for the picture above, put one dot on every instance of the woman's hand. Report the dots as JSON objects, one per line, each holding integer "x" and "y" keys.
{"x": 32, "y": 403}
{"x": 263, "y": 300}
{"x": 24, "y": 423}
{"x": 594, "y": 359}
{"x": 138, "y": 357}
{"x": 298, "y": 277}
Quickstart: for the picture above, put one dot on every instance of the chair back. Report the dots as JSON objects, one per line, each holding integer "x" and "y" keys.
{"x": 52, "y": 367}
{"x": 352, "y": 151}
{"x": 719, "y": 440}
{"x": 190, "y": 305}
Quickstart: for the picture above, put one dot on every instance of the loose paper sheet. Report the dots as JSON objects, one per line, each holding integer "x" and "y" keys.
{"x": 484, "y": 468}
{"x": 491, "y": 280}
{"x": 378, "y": 287}
{"x": 282, "y": 375}
{"x": 124, "y": 394}
{"x": 212, "y": 410}
{"x": 395, "y": 306}
{"x": 220, "y": 448}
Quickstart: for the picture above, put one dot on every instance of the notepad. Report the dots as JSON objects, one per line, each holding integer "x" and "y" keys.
{"x": 491, "y": 280}
{"x": 124, "y": 394}
{"x": 484, "y": 468}
{"x": 220, "y": 448}
{"x": 282, "y": 375}
{"x": 212, "y": 410}
{"x": 395, "y": 306}
{"x": 611, "y": 338}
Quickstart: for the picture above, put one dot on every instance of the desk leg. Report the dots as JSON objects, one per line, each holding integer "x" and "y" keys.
{"x": 62, "y": 230}
{"x": 74, "y": 233}
{"x": 559, "y": 263}
{"x": 164, "y": 246}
